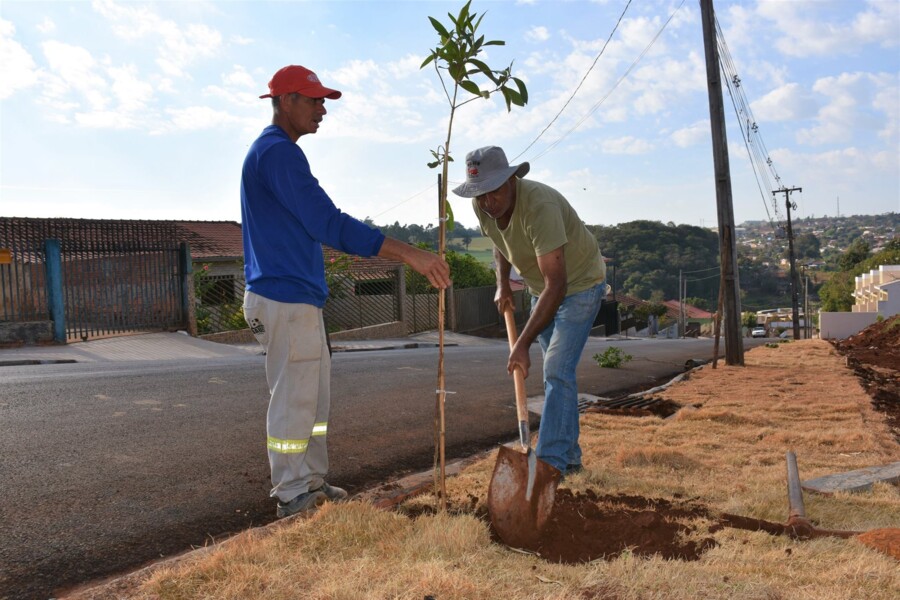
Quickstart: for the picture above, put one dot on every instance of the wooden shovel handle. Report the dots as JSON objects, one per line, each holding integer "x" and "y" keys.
{"x": 512, "y": 336}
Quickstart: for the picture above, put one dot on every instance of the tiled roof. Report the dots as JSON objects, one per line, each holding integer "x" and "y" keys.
{"x": 360, "y": 264}
{"x": 673, "y": 309}
{"x": 208, "y": 240}
{"x": 212, "y": 239}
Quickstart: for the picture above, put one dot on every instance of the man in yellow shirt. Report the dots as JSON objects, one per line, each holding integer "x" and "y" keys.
{"x": 536, "y": 230}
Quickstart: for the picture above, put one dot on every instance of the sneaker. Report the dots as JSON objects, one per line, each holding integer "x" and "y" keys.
{"x": 334, "y": 493}
{"x": 304, "y": 503}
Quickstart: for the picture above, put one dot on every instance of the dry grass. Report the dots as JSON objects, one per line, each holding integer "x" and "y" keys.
{"x": 728, "y": 454}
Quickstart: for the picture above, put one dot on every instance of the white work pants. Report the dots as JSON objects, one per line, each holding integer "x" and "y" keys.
{"x": 298, "y": 371}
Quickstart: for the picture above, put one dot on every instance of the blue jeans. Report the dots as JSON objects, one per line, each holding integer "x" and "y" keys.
{"x": 562, "y": 342}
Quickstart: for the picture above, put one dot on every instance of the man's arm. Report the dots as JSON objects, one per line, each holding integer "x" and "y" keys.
{"x": 553, "y": 270}
{"x": 427, "y": 263}
{"x": 503, "y": 297}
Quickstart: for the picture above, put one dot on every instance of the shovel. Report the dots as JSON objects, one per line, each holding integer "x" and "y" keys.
{"x": 523, "y": 488}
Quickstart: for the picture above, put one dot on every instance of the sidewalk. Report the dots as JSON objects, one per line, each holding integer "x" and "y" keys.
{"x": 180, "y": 346}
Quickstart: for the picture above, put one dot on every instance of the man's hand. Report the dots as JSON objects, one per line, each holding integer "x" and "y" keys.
{"x": 427, "y": 263}
{"x": 519, "y": 359}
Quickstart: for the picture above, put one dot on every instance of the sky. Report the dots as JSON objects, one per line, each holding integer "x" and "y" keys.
{"x": 145, "y": 110}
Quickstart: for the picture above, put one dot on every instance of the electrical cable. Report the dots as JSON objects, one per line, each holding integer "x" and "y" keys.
{"x": 757, "y": 152}
{"x": 609, "y": 93}
{"x": 580, "y": 83}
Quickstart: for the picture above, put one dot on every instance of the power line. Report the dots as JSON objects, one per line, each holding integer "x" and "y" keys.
{"x": 616, "y": 85}
{"x": 593, "y": 109}
{"x": 756, "y": 149}
{"x": 716, "y": 268}
{"x": 578, "y": 87}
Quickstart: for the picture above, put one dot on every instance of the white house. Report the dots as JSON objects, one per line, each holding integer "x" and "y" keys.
{"x": 877, "y": 294}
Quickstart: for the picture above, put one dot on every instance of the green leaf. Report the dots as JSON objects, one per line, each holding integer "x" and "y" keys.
{"x": 478, "y": 22}
{"x": 514, "y": 96}
{"x": 495, "y": 43}
{"x": 470, "y": 87}
{"x": 430, "y": 58}
{"x": 523, "y": 91}
{"x": 457, "y": 72}
{"x": 451, "y": 223}
{"x": 439, "y": 28}
{"x": 483, "y": 68}
{"x": 463, "y": 18}
{"x": 432, "y": 165}
{"x": 506, "y": 96}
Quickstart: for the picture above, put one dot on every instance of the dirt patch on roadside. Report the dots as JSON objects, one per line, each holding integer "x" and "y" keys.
{"x": 874, "y": 356}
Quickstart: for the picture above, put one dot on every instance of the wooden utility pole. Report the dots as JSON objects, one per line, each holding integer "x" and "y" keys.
{"x": 795, "y": 280}
{"x": 734, "y": 342}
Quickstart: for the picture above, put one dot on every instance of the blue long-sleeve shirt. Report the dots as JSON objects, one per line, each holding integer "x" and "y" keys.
{"x": 286, "y": 217}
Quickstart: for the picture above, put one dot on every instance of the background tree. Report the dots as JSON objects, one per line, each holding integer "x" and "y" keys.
{"x": 855, "y": 254}
{"x": 650, "y": 255}
{"x": 701, "y": 303}
{"x": 806, "y": 246}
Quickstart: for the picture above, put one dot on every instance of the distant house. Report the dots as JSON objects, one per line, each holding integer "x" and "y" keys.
{"x": 876, "y": 295}
{"x": 673, "y": 310}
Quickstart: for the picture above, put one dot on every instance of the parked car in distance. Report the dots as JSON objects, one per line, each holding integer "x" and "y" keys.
{"x": 758, "y": 332}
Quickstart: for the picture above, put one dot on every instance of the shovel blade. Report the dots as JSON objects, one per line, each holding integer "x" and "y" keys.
{"x": 521, "y": 496}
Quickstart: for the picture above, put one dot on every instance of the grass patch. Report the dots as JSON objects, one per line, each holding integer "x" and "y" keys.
{"x": 727, "y": 455}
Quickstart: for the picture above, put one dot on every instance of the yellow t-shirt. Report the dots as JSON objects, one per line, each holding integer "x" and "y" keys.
{"x": 542, "y": 221}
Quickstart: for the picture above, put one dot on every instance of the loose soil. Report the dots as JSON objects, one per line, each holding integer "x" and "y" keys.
{"x": 874, "y": 355}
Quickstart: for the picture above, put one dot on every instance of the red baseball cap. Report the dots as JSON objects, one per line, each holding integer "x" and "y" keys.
{"x": 294, "y": 78}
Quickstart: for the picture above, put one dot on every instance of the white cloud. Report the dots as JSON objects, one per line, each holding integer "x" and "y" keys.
{"x": 105, "y": 119}
{"x": 692, "y": 134}
{"x": 626, "y": 145}
{"x": 199, "y": 117}
{"x": 879, "y": 24}
{"x": 854, "y": 106}
{"x": 537, "y": 34}
{"x": 46, "y": 26}
{"x": 238, "y": 77}
{"x": 802, "y": 35}
{"x": 788, "y": 102}
{"x": 179, "y": 47}
{"x": 17, "y": 68}
{"x": 73, "y": 68}
{"x": 132, "y": 93}
{"x": 240, "y": 40}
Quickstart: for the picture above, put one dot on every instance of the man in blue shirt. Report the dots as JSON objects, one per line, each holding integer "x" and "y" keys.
{"x": 286, "y": 217}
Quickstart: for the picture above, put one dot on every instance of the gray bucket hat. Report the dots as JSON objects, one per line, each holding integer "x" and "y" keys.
{"x": 486, "y": 170}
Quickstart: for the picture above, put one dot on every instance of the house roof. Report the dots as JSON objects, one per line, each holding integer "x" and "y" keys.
{"x": 359, "y": 264}
{"x": 208, "y": 240}
{"x": 212, "y": 239}
{"x": 673, "y": 309}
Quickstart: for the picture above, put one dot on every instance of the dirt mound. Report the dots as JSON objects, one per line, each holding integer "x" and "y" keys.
{"x": 587, "y": 526}
{"x": 877, "y": 345}
{"x": 874, "y": 355}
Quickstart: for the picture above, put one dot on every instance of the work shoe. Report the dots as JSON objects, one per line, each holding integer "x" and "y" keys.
{"x": 334, "y": 493}
{"x": 305, "y": 502}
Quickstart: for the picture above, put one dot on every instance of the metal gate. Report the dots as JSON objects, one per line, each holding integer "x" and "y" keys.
{"x": 117, "y": 276}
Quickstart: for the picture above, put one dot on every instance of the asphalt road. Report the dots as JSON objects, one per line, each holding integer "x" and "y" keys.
{"x": 107, "y": 466}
